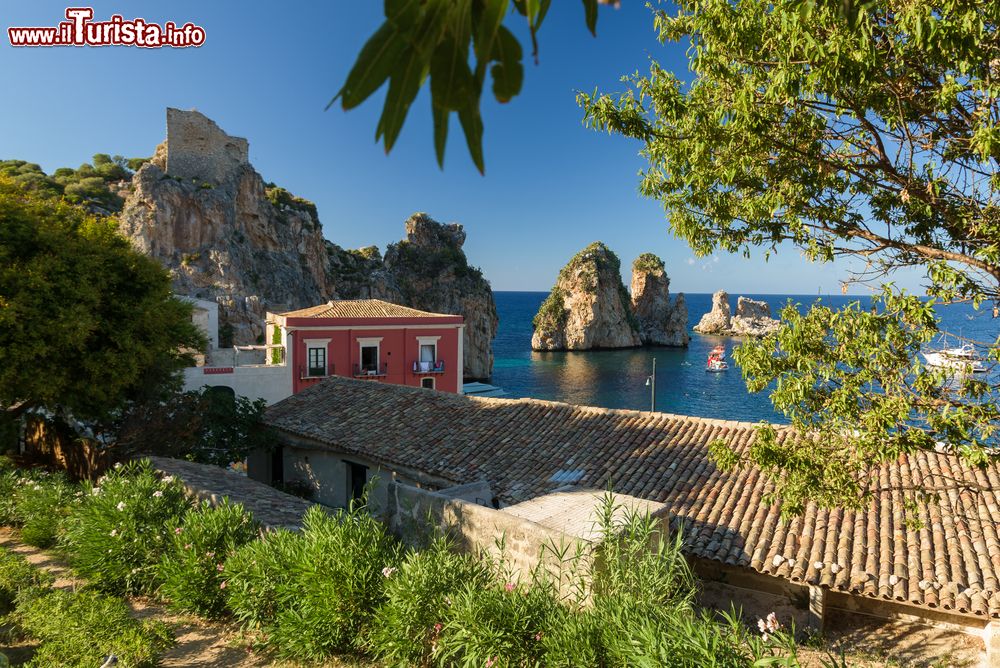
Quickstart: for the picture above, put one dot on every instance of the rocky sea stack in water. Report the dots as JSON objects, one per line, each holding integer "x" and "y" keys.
{"x": 660, "y": 322}
{"x": 588, "y": 307}
{"x": 753, "y": 318}
{"x": 200, "y": 208}
{"x": 428, "y": 270}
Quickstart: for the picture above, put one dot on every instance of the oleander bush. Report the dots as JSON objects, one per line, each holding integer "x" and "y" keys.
{"x": 191, "y": 571}
{"x": 42, "y": 506}
{"x": 256, "y": 572}
{"x": 418, "y": 599}
{"x": 80, "y": 629}
{"x": 334, "y": 585}
{"x": 18, "y": 576}
{"x": 123, "y": 526}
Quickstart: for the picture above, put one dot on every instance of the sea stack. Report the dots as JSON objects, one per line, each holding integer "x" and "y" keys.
{"x": 753, "y": 318}
{"x": 660, "y": 322}
{"x": 589, "y": 307}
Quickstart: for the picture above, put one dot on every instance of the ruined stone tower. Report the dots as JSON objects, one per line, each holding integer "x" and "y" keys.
{"x": 197, "y": 148}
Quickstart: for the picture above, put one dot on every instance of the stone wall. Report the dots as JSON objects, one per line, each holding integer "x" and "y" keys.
{"x": 197, "y": 148}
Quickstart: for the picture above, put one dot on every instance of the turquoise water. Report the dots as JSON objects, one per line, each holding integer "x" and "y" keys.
{"x": 616, "y": 378}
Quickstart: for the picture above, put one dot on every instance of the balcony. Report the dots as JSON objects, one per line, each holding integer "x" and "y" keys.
{"x": 424, "y": 368}
{"x": 305, "y": 373}
{"x": 371, "y": 371}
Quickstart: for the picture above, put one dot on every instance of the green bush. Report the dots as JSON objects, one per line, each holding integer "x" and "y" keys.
{"x": 504, "y": 624}
{"x": 335, "y": 584}
{"x": 418, "y": 602}
{"x": 80, "y": 629}
{"x": 117, "y": 535}
{"x": 191, "y": 571}
{"x": 256, "y": 573}
{"x": 41, "y": 507}
{"x": 16, "y": 576}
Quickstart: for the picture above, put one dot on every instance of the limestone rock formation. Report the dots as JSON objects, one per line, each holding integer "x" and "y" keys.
{"x": 428, "y": 270}
{"x": 202, "y": 210}
{"x": 660, "y": 322}
{"x": 719, "y": 320}
{"x": 753, "y": 318}
{"x": 588, "y": 307}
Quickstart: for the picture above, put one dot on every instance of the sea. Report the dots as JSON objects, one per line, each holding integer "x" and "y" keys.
{"x": 618, "y": 378}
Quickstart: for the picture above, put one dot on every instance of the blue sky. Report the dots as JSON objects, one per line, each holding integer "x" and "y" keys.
{"x": 551, "y": 186}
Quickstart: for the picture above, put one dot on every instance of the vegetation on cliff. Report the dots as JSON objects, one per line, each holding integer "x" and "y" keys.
{"x": 648, "y": 262}
{"x": 90, "y": 183}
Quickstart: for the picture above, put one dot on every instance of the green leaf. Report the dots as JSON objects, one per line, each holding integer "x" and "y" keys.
{"x": 440, "y": 116}
{"x": 508, "y": 73}
{"x": 451, "y": 79}
{"x": 403, "y": 88}
{"x": 590, "y": 8}
{"x": 487, "y": 24}
{"x": 374, "y": 65}
{"x": 472, "y": 126}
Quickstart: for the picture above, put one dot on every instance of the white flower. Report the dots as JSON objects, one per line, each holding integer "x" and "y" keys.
{"x": 118, "y": 465}
{"x": 120, "y": 506}
{"x": 388, "y": 570}
{"x": 168, "y": 479}
{"x": 114, "y": 532}
{"x": 37, "y": 487}
{"x": 157, "y": 494}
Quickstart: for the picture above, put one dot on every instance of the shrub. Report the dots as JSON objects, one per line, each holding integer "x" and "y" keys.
{"x": 504, "y": 624}
{"x": 418, "y": 600}
{"x": 256, "y": 573}
{"x": 335, "y": 585}
{"x": 79, "y": 629}
{"x": 16, "y": 576}
{"x": 123, "y": 526}
{"x": 42, "y": 505}
{"x": 191, "y": 570}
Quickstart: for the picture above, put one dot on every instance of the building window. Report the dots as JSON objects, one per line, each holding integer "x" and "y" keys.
{"x": 317, "y": 362}
{"x": 427, "y": 383}
{"x": 369, "y": 358}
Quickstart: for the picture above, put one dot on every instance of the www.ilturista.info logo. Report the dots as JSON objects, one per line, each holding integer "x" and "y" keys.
{"x": 80, "y": 30}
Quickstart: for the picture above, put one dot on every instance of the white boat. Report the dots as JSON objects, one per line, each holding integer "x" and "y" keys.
{"x": 717, "y": 360}
{"x": 963, "y": 358}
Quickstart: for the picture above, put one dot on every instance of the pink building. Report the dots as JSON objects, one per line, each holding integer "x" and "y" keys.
{"x": 373, "y": 340}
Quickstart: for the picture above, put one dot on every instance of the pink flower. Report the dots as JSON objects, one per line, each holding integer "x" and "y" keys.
{"x": 490, "y": 661}
{"x": 157, "y": 494}
{"x": 538, "y": 636}
{"x": 437, "y": 628}
{"x": 188, "y": 546}
{"x": 177, "y": 531}
{"x": 509, "y": 586}
{"x": 219, "y": 568}
{"x": 223, "y": 585}
{"x": 210, "y": 555}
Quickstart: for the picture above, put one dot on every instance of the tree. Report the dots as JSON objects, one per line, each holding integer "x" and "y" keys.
{"x": 872, "y": 134}
{"x": 86, "y": 322}
{"x": 865, "y": 129}
{"x": 210, "y": 426}
{"x": 433, "y": 38}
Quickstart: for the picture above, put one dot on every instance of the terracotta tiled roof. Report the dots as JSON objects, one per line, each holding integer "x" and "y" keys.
{"x": 361, "y": 308}
{"x": 526, "y": 448}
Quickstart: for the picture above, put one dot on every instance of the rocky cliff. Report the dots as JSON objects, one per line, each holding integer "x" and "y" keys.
{"x": 201, "y": 209}
{"x": 752, "y": 318}
{"x": 225, "y": 235}
{"x": 661, "y": 322}
{"x": 428, "y": 270}
{"x": 588, "y": 307}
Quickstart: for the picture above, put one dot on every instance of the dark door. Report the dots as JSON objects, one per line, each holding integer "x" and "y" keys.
{"x": 278, "y": 464}
{"x": 357, "y": 476}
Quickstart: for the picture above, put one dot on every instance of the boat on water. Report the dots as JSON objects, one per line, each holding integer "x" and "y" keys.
{"x": 717, "y": 360}
{"x": 962, "y": 358}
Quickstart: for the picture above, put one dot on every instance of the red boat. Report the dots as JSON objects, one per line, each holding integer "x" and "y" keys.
{"x": 717, "y": 360}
